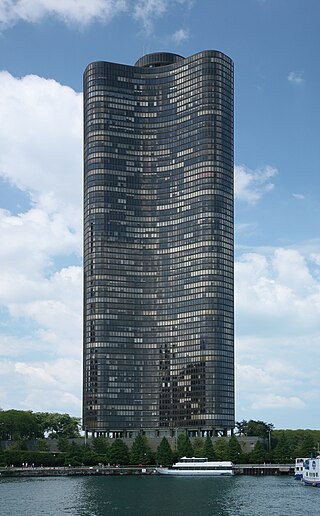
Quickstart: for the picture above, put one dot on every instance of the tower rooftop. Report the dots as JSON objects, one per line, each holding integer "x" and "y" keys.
{"x": 157, "y": 59}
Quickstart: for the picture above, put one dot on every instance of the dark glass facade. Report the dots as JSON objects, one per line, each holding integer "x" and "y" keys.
{"x": 158, "y": 244}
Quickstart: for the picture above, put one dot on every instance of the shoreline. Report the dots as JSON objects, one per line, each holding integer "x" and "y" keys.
{"x": 69, "y": 471}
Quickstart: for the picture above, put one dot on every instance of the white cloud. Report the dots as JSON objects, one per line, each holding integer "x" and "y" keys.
{"x": 147, "y": 11}
{"x": 53, "y": 308}
{"x": 30, "y": 241}
{"x": 296, "y": 77}
{"x": 84, "y": 12}
{"x": 37, "y": 375}
{"x": 41, "y": 153}
{"x": 280, "y": 286}
{"x": 11, "y": 346}
{"x": 278, "y": 334}
{"x": 41, "y": 386}
{"x": 251, "y": 185}
{"x": 300, "y": 197}
{"x": 49, "y": 386}
{"x": 315, "y": 258}
{"x": 69, "y": 11}
{"x": 277, "y": 402}
{"x": 43, "y": 157}
{"x": 180, "y": 35}
{"x": 247, "y": 228}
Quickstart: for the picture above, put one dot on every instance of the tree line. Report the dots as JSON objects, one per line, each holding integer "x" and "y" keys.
{"x": 19, "y": 427}
{"x": 25, "y": 424}
{"x": 117, "y": 452}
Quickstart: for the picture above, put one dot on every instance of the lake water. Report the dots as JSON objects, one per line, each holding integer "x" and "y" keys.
{"x": 158, "y": 496}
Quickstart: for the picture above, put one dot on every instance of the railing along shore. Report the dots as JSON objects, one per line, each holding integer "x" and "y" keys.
{"x": 239, "y": 469}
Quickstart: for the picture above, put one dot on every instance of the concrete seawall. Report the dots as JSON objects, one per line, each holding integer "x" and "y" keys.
{"x": 239, "y": 469}
{"x": 75, "y": 471}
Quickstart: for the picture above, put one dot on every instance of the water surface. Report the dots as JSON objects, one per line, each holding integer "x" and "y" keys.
{"x": 158, "y": 496}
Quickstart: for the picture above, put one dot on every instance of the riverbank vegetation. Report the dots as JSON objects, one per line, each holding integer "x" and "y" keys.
{"x": 25, "y": 424}
{"x": 54, "y": 440}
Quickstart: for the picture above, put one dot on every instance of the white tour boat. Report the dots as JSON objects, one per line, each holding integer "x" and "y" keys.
{"x": 298, "y": 467}
{"x": 311, "y": 472}
{"x": 194, "y": 466}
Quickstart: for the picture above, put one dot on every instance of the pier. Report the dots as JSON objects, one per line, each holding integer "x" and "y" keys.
{"x": 76, "y": 471}
{"x": 239, "y": 469}
{"x": 264, "y": 469}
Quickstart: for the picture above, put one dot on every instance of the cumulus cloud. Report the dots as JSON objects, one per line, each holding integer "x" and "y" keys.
{"x": 300, "y": 197}
{"x": 52, "y": 386}
{"x": 69, "y": 11}
{"x": 147, "y": 11}
{"x": 315, "y": 257}
{"x": 277, "y": 402}
{"x": 251, "y": 185}
{"x": 296, "y": 77}
{"x": 44, "y": 156}
{"x": 247, "y": 228}
{"x": 83, "y": 12}
{"x": 40, "y": 153}
{"x": 180, "y": 35}
{"x": 41, "y": 385}
{"x": 279, "y": 285}
{"x": 278, "y": 333}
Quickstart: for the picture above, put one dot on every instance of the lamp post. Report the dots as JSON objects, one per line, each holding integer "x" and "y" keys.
{"x": 269, "y": 440}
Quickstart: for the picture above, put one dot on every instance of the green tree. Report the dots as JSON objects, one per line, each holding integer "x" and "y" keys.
{"x": 18, "y": 424}
{"x": 80, "y": 454}
{"x": 73, "y": 455}
{"x": 208, "y": 450}
{"x": 306, "y": 446}
{"x": 282, "y": 452}
{"x": 100, "y": 445}
{"x": 164, "y": 453}
{"x": 184, "y": 446}
{"x": 259, "y": 454}
{"x": 19, "y": 444}
{"x": 221, "y": 449}
{"x": 58, "y": 425}
{"x": 141, "y": 452}
{"x": 257, "y": 428}
{"x": 198, "y": 447}
{"x": 234, "y": 450}
{"x": 241, "y": 427}
{"x": 43, "y": 445}
{"x": 118, "y": 452}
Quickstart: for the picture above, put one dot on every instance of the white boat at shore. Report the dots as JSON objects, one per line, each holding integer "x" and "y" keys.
{"x": 311, "y": 472}
{"x": 194, "y": 466}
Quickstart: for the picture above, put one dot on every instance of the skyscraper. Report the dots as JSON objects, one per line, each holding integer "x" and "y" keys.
{"x": 158, "y": 245}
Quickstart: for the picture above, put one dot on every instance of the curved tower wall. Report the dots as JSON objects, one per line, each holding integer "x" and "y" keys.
{"x": 158, "y": 244}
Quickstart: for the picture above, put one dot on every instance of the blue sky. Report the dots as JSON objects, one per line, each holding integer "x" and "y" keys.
{"x": 44, "y": 47}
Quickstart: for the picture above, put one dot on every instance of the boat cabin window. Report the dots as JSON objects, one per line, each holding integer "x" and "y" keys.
{"x": 193, "y": 459}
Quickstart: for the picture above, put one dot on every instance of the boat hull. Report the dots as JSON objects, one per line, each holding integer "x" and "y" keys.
{"x": 203, "y": 473}
{"x": 198, "y": 467}
{"x": 311, "y": 472}
{"x": 311, "y": 483}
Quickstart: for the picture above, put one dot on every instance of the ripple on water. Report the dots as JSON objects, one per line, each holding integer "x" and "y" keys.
{"x": 158, "y": 496}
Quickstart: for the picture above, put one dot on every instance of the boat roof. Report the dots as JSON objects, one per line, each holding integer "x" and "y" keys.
{"x": 201, "y": 460}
